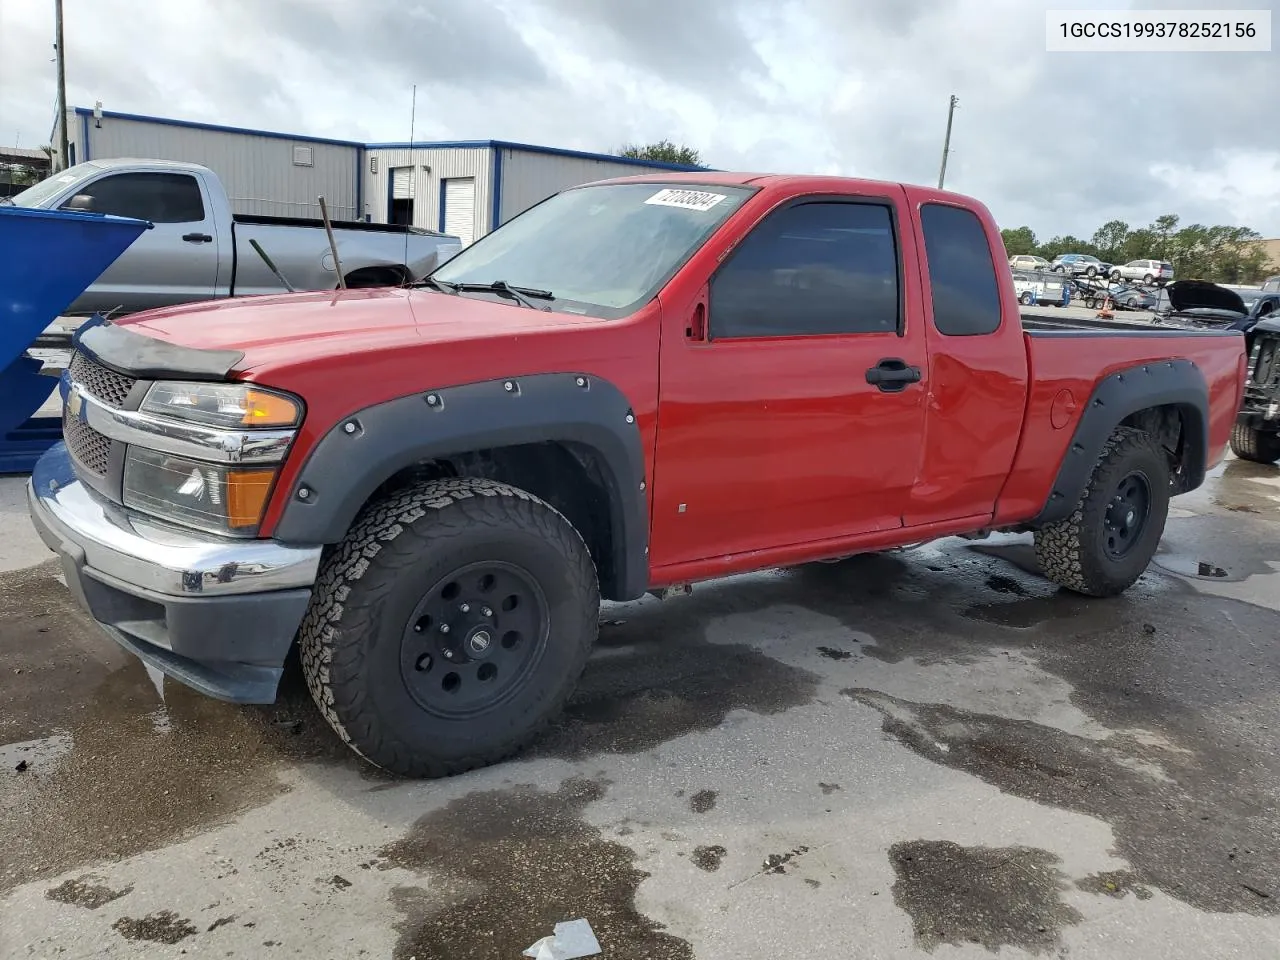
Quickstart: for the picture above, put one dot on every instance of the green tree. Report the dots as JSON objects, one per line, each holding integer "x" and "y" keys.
{"x": 664, "y": 151}
{"x": 1109, "y": 240}
{"x": 1019, "y": 240}
{"x": 1067, "y": 244}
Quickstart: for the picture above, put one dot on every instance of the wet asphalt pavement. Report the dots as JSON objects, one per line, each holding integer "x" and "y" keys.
{"x": 925, "y": 753}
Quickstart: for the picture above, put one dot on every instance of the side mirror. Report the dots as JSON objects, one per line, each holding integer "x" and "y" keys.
{"x": 82, "y": 202}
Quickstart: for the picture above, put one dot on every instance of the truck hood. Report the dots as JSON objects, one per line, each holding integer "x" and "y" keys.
{"x": 301, "y": 326}
{"x": 1203, "y": 295}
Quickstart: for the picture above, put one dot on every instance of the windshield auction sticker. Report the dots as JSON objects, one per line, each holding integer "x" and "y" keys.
{"x": 688, "y": 199}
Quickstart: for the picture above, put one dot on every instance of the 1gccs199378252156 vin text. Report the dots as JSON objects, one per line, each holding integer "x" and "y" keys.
{"x": 429, "y": 489}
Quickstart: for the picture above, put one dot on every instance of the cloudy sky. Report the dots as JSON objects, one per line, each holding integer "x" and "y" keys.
{"x": 1061, "y": 142}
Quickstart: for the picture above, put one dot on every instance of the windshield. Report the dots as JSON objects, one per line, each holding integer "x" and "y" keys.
{"x": 600, "y": 250}
{"x": 47, "y": 189}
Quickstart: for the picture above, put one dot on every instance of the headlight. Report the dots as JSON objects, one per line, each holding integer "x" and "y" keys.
{"x": 228, "y": 499}
{"x": 229, "y": 405}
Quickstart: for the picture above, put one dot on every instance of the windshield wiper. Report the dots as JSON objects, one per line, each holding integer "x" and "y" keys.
{"x": 444, "y": 285}
{"x": 520, "y": 294}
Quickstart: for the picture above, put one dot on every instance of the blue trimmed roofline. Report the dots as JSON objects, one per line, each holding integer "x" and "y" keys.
{"x": 416, "y": 145}
{"x": 533, "y": 148}
{"x": 195, "y": 125}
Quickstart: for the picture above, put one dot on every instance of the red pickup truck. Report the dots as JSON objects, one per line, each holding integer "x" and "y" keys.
{"x": 634, "y": 385}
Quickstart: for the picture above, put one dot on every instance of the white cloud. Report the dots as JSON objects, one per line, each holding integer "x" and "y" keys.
{"x": 1061, "y": 142}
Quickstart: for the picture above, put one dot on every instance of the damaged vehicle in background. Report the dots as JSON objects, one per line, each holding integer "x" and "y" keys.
{"x": 1256, "y": 313}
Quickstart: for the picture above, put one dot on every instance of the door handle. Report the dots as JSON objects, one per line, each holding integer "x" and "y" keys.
{"x": 892, "y": 375}
{"x": 197, "y": 238}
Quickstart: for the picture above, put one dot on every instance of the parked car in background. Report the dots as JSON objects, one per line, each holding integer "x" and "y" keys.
{"x": 1148, "y": 271}
{"x": 632, "y": 386}
{"x": 1271, "y": 285}
{"x": 1037, "y": 288}
{"x": 1027, "y": 262}
{"x": 198, "y": 249}
{"x": 1079, "y": 265}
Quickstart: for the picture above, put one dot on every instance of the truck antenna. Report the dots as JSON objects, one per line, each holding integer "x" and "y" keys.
{"x": 413, "y": 179}
{"x": 946, "y": 143}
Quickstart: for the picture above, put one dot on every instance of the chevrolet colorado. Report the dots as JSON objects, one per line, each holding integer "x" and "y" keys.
{"x": 634, "y": 385}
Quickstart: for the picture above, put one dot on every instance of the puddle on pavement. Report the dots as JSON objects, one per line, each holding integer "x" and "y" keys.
{"x": 110, "y": 770}
{"x": 89, "y": 891}
{"x": 1205, "y": 834}
{"x": 500, "y": 867}
{"x": 1002, "y": 897}
{"x": 666, "y": 680}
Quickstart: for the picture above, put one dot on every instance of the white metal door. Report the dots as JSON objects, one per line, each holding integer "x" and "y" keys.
{"x": 402, "y": 183}
{"x": 460, "y": 208}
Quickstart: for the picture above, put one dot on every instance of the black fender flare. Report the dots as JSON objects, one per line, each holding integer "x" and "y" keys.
{"x": 1159, "y": 383}
{"x": 363, "y": 450}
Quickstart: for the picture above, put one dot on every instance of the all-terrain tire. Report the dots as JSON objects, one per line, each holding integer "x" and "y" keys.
{"x": 370, "y": 586}
{"x": 1073, "y": 552}
{"x": 1249, "y": 443}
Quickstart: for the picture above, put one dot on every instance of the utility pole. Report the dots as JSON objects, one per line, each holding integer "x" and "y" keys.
{"x": 946, "y": 143}
{"x": 63, "y": 150}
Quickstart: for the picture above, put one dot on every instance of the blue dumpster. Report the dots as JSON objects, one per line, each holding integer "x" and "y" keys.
{"x": 47, "y": 259}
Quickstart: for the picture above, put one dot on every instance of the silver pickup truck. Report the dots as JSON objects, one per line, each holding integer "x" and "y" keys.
{"x": 199, "y": 249}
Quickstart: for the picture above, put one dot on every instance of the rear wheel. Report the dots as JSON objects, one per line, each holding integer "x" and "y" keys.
{"x": 1108, "y": 541}
{"x": 1025, "y": 299}
{"x": 449, "y": 626}
{"x": 1148, "y": 279}
{"x": 1250, "y": 443}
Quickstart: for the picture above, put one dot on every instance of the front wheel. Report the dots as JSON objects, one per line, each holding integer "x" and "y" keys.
{"x": 449, "y": 626}
{"x": 1091, "y": 272}
{"x": 1250, "y": 443}
{"x": 1025, "y": 299}
{"x": 1115, "y": 275}
{"x": 1108, "y": 541}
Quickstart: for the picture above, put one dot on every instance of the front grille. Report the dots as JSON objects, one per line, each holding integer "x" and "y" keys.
{"x": 108, "y": 386}
{"x": 90, "y": 448}
{"x": 1263, "y": 384}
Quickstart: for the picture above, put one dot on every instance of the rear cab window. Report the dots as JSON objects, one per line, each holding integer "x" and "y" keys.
{"x": 962, "y": 275}
{"x": 817, "y": 267}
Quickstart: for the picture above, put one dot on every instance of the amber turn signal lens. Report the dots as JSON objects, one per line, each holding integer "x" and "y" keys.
{"x": 263, "y": 409}
{"x": 247, "y": 492}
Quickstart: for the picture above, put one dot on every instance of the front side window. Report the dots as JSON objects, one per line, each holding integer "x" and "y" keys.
{"x": 603, "y": 250}
{"x": 812, "y": 269}
{"x": 157, "y": 197}
{"x": 966, "y": 296}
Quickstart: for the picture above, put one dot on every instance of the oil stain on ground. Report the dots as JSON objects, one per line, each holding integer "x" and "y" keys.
{"x": 1194, "y": 834}
{"x": 141, "y": 772}
{"x": 995, "y": 898}
{"x": 505, "y": 866}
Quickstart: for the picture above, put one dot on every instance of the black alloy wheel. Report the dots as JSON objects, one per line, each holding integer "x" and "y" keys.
{"x": 1126, "y": 515}
{"x": 474, "y": 639}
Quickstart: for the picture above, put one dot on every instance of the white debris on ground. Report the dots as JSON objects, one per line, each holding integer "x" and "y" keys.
{"x": 570, "y": 940}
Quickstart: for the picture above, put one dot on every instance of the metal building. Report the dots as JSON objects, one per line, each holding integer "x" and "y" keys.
{"x": 465, "y": 188}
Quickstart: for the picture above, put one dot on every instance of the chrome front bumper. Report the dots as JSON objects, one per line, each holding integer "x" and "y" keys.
{"x": 215, "y": 613}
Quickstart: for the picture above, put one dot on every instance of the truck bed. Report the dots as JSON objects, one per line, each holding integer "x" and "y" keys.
{"x": 1068, "y": 358}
